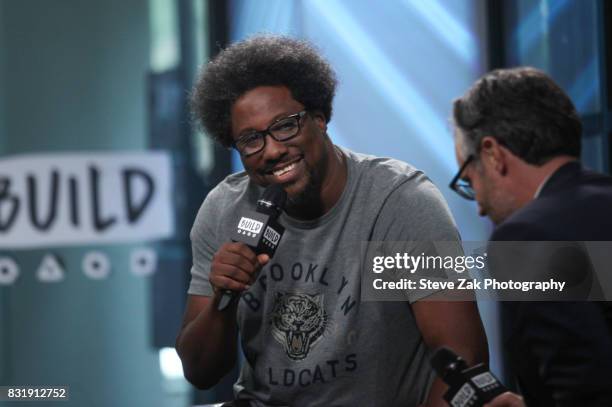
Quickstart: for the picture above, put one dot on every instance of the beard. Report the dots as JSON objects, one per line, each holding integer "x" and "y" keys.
{"x": 306, "y": 201}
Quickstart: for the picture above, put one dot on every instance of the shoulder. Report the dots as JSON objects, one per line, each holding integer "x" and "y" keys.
{"x": 384, "y": 169}
{"x": 228, "y": 196}
{"x": 384, "y": 177}
{"x": 577, "y": 208}
{"x": 528, "y": 224}
{"x": 411, "y": 206}
{"x": 419, "y": 206}
{"x": 404, "y": 183}
{"x": 232, "y": 187}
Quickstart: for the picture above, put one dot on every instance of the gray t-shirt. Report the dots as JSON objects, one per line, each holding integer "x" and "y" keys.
{"x": 307, "y": 338}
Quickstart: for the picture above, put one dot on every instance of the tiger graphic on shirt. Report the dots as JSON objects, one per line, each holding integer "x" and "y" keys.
{"x": 298, "y": 322}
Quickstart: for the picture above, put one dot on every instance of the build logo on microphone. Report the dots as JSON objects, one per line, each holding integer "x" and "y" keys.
{"x": 271, "y": 237}
{"x": 249, "y": 227}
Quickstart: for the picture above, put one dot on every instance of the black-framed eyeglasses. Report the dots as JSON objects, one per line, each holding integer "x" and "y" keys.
{"x": 281, "y": 130}
{"x": 461, "y": 186}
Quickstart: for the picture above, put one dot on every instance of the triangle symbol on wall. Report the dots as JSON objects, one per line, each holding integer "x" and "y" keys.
{"x": 50, "y": 270}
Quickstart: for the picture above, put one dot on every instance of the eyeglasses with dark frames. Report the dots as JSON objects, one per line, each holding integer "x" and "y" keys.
{"x": 282, "y": 129}
{"x": 461, "y": 186}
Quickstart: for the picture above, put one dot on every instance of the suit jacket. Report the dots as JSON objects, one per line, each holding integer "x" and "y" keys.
{"x": 561, "y": 352}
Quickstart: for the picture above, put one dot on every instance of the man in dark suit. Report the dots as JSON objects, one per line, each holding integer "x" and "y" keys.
{"x": 518, "y": 140}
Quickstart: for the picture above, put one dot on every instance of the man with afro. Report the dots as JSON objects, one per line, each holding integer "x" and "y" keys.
{"x": 307, "y": 338}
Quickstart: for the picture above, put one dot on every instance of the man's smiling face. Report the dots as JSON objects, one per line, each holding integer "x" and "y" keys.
{"x": 299, "y": 164}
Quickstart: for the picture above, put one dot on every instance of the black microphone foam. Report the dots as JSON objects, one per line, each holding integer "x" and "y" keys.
{"x": 446, "y": 363}
{"x": 468, "y": 386}
{"x": 272, "y": 200}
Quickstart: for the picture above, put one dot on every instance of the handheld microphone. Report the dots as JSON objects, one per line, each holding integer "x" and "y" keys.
{"x": 259, "y": 229}
{"x": 468, "y": 386}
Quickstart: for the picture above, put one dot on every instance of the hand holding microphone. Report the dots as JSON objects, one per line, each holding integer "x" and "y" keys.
{"x": 254, "y": 242}
{"x": 235, "y": 266}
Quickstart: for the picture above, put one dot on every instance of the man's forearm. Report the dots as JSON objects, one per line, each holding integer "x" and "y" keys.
{"x": 434, "y": 399}
{"x": 207, "y": 345}
{"x": 455, "y": 325}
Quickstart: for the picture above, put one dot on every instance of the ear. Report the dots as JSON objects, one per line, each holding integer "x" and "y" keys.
{"x": 493, "y": 155}
{"x": 320, "y": 121}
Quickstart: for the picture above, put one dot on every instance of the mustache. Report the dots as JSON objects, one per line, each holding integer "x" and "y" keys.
{"x": 270, "y": 166}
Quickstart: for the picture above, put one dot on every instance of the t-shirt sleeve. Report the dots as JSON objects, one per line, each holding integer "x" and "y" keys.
{"x": 204, "y": 244}
{"x": 416, "y": 220}
{"x": 416, "y": 211}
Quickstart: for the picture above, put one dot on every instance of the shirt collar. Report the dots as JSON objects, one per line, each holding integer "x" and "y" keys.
{"x": 539, "y": 190}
